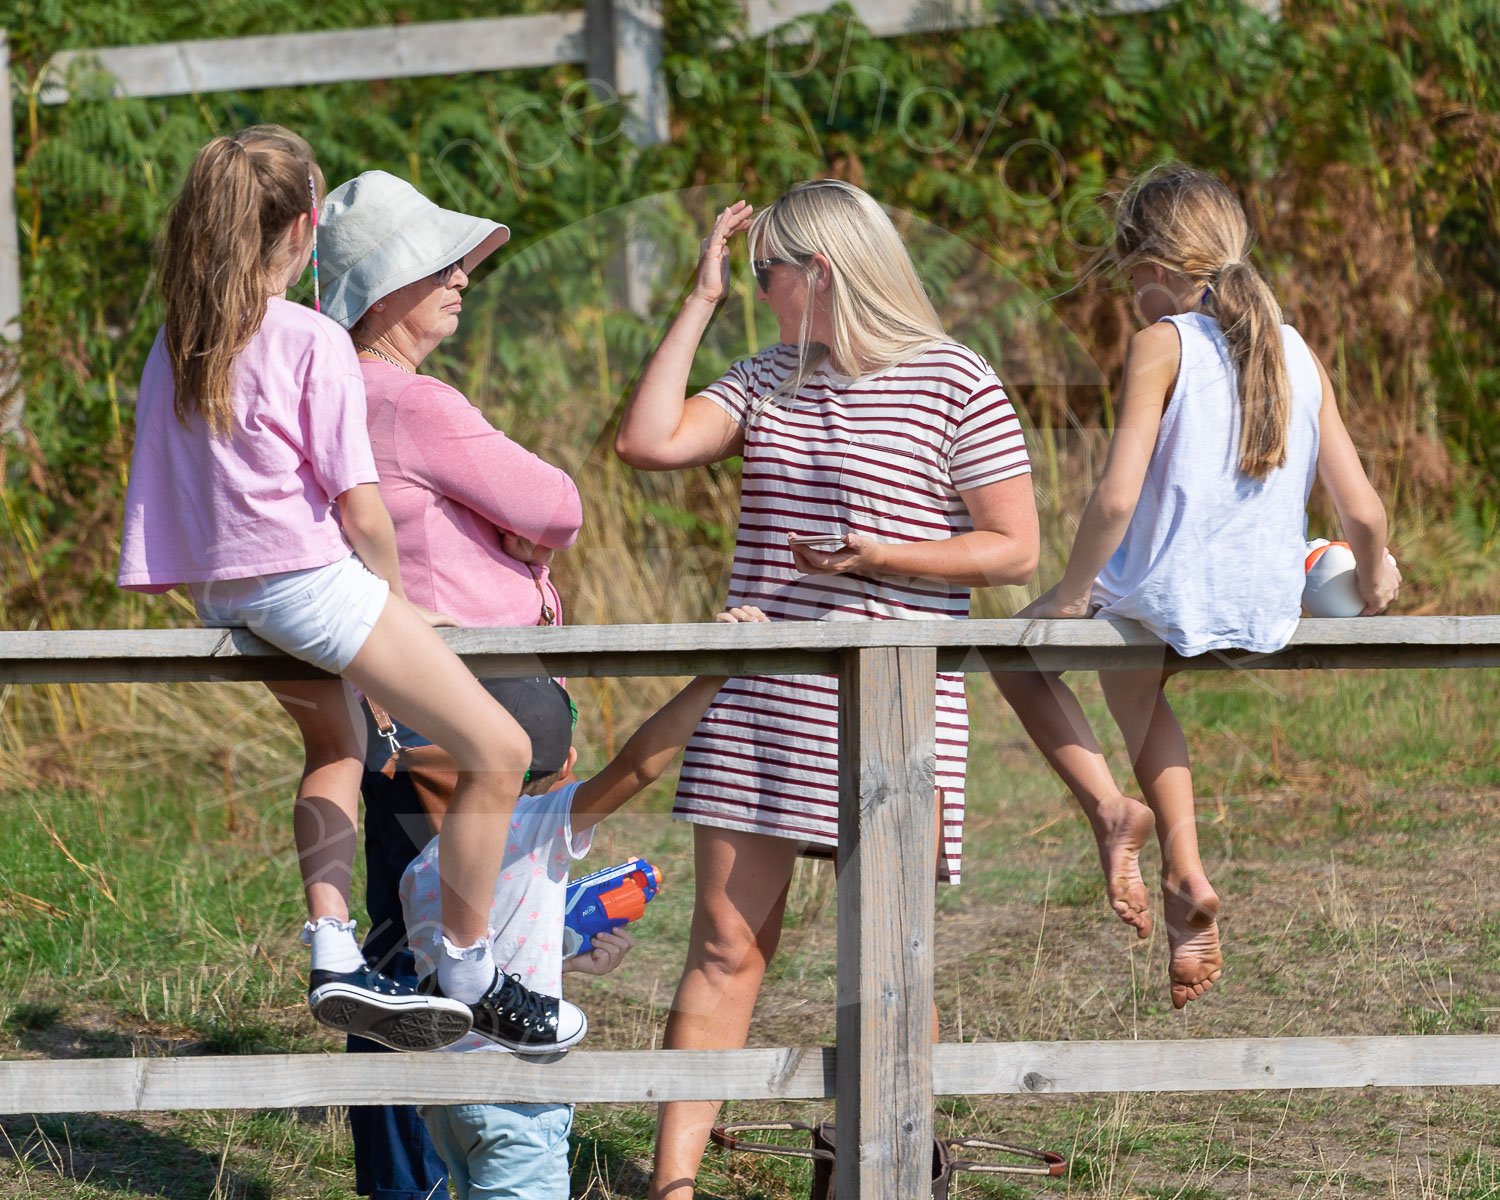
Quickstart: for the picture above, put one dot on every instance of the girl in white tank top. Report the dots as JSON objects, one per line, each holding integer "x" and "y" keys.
{"x": 1196, "y": 530}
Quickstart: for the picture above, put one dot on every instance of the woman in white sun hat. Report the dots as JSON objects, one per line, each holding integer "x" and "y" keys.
{"x": 477, "y": 517}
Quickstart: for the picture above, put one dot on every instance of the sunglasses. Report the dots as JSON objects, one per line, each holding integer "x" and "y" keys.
{"x": 762, "y": 268}
{"x": 444, "y": 275}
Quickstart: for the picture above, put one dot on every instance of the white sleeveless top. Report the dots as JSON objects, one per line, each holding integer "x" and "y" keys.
{"x": 1213, "y": 559}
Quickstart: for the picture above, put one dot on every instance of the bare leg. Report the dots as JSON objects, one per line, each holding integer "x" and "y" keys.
{"x": 326, "y": 818}
{"x": 742, "y": 881}
{"x": 411, "y": 671}
{"x": 1159, "y": 754}
{"x": 1054, "y": 719}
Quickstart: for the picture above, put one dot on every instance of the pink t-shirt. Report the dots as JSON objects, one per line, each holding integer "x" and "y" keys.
{"x": 454, "y": 483}
{"x": 260, "y": 501}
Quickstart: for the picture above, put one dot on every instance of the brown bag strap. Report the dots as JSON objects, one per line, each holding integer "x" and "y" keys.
{"x": 548, "y": 615}
{"x": 385, "y": 726}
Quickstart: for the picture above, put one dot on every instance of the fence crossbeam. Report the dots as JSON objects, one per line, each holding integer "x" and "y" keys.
{"x": 113, "y": 656}
{"x": 884, "y": 1072}
{"x": 769, "y": 1073}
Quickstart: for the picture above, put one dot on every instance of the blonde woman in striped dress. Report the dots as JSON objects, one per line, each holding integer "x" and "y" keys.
{"x": 867, "y": 425}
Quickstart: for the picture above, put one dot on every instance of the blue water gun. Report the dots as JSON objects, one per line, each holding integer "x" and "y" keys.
{"x": 607, "y": 899}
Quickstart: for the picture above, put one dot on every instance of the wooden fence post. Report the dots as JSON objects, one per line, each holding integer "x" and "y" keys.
{"x": 886, "y": 857}
{"x": 625, "y": 52}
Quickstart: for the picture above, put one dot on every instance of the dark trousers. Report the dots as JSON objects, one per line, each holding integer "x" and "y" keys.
{"x": 394, "y": 1159}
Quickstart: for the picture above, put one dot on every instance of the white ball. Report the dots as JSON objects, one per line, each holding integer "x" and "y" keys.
{"x": 1332, "y": 589}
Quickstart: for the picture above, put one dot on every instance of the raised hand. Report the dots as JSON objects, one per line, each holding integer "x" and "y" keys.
{"x": 712, "y": 284}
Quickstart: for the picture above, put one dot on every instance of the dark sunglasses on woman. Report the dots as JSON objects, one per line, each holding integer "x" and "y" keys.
{"x": 762, "y": 268}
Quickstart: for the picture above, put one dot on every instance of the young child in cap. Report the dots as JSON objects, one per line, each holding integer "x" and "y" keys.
{"x": 521, "y": 1150}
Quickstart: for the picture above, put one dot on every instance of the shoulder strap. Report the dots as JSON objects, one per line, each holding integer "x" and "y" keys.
{"x": 384, "y": 725}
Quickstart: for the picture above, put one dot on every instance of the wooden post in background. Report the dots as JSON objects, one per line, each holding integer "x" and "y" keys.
{"x": 886, "y": 857}
{"x": 625, "y": 53}
{"x": 10, "y": 259}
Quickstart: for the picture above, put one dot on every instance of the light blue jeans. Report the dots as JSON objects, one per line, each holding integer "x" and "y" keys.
{"x": 503, "y": 1151}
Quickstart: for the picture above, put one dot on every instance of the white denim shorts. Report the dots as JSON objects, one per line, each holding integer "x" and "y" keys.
{"x": 321, "y": 615}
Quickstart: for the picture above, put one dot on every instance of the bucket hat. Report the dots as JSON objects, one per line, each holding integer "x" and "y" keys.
{"x": 377, "y": 233}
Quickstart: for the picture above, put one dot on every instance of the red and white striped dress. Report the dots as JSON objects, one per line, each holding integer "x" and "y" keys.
{"x": 886, "y": 456}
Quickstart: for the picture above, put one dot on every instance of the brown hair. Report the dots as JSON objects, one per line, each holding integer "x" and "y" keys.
{"x": 1188, "y": 222}
{"x": 226, "y": 235}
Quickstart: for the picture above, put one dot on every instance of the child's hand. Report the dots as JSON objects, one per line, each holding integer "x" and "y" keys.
{"x": 610, "y": 949}
{"x": 861, "y": 555}
{"x": 524, "y": 549}
{"x": 1049, "y": 606}
{"x": 1378, "y": 592}
{"x": 745, "y": 612}
{"x": 436, "y": 619}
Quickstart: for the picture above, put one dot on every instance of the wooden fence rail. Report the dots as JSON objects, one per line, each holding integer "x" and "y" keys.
{"x": 884, "y": 1070}
{"x": 125, "y": 655}
{"x": 779, "y": 1073}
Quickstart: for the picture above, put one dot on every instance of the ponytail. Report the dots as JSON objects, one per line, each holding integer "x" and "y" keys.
{"x": 1250, "y": 319}
{"x": 225, "y": 239}
{"x": 1188, "y": 222}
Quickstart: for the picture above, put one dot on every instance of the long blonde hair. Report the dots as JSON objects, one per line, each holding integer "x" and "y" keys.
{"x": 226, "y": 234}
{"x": 1186, "y": 221}
{"x": 878, "y": 310}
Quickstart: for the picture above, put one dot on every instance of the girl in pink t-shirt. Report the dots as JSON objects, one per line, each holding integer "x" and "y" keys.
{"x": 252, "y": 482}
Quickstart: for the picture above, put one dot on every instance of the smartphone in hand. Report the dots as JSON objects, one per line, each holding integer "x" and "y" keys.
{"x": 823, "y": 543}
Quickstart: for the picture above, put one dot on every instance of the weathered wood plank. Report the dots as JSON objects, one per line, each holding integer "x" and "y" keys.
{"x": 454, "y": 47}
{"x": 105, "y": 655}
{"x": 806, "y": 1073}
{"x": 887, "y": 847}
{"x": 1218, "y": 1064}
{"x": 892, "y": 18}
{"x": 329, "y": 56}
{"x": 291, "y": 1080}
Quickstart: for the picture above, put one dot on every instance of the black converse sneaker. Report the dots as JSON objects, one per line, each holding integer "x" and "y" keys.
{"x": 375, "y": 1006}
{"x": 520, "y": 1019}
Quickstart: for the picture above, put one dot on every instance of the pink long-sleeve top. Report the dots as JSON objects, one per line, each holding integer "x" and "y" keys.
{"x": 453, "y": 484}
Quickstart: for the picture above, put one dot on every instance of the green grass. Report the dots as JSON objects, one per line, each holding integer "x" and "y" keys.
{"x": 1349, "y": 821}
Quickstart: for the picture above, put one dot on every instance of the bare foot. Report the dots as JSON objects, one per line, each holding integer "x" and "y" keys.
{"x": 1191, "y": 909}
{"x": 1122, "y": 829}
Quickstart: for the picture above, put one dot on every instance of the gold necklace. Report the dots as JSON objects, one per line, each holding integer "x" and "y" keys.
{"x": 380, "y": 354}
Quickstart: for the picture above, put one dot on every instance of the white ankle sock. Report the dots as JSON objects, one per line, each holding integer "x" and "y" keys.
{"x": 465, "y": 973}
{"x": 333, "y": 945}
